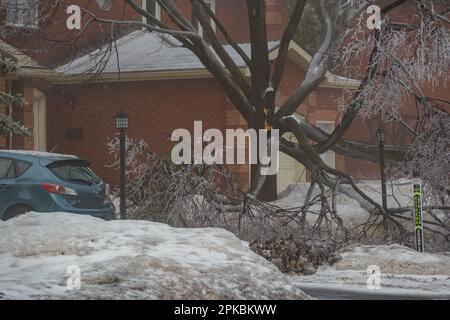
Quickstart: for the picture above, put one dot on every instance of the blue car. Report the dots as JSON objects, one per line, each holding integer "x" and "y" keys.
{"x": 49, "y": 182}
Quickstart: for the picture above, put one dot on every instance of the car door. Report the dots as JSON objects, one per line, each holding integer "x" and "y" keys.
{"x": 7, "y": 182}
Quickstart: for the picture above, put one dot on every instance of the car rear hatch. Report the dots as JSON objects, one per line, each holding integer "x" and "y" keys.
{"x": 90, "y": 191}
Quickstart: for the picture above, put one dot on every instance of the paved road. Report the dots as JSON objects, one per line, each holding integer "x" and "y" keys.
{"x": 330, "y": 294}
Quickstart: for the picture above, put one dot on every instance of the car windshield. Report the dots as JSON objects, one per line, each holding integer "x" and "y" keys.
{"x": 74, "y": 171}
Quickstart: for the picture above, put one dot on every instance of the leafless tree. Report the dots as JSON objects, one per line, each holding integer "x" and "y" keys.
{"x": 180, "y": 195}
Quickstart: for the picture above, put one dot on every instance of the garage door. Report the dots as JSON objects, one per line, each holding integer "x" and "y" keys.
{"x": 290, "y": 171}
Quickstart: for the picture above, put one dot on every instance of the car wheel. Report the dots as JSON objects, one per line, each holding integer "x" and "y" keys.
{"x": 16, "y": 211}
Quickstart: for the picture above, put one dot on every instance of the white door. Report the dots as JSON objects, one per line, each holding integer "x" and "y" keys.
{"x": 291, "y": 172}
{"x": 39, "y": 114}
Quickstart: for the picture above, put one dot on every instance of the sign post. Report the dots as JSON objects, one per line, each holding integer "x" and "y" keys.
{"x": 418, "y": 218}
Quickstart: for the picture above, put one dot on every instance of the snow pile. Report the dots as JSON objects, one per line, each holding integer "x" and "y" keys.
{"x": 402, "y": 271}
{"x": 130, "y": 260}
{"x": 395, "y": 259}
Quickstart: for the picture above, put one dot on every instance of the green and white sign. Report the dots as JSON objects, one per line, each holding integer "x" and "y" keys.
{"x": 418, "y": 218}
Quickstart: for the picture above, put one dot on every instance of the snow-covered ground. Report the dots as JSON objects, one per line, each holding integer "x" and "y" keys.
{"x": 403, "y": 271}
{"x": 399, "y": 194}
{"x": 146, "y": 260}
{"x": 130, "y": 260}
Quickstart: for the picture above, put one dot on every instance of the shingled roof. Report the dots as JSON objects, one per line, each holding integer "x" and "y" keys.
{"x": 143, "y": 51}
{"x": 144, "y": 55}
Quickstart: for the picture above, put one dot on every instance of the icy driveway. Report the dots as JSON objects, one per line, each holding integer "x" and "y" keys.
{"x": 131, "y": 260}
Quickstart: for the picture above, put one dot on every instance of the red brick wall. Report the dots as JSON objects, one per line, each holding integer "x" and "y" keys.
{"x": 24, "y": 114}
{"x": 232, "y": 13}
{"x": 155, "y": 108}
{"x": 277, "y": 18}
{"x": 56, "y": 43}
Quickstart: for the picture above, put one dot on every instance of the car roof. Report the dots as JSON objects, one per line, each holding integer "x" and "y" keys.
{"x": 29, "y": 155}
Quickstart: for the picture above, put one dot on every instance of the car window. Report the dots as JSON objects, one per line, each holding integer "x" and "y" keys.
{"x": 6, "y": 169}
{"x": 74, "y": 171}
{"x": 21, "y": 167}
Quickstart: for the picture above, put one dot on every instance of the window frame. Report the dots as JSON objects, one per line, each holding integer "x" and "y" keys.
{"x": 213, "y": 6}
{"x": 20, "y": 19}
{"x": 30, "y": 164}
{"x": 14, "y": 166}
{"x": 157, "y": 11}
{"x": 104, "y": 6}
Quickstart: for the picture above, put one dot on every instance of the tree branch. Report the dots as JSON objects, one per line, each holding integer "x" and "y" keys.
{"x": 285, "y": 42}
{"x": 225, "y": 33}
{"x": 218, "y": 47}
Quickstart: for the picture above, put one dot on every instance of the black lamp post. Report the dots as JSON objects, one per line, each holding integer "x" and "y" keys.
{"x": 380, "y": 139}
{"x": 122, "y": 124}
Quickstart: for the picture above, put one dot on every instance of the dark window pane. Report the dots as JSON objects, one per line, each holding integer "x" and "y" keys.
{"x": 6, "y": 169}
{"x": 151, "y": 7}
{"x": 74, "y": 171}
{"x": 21, "y": 167}
{"x": 10, "y": 174}
{"x": 22, "y": 12}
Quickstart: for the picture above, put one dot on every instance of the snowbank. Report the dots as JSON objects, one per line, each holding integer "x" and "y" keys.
{"x": 131, "y": 260}
{"x": 395, "y": 259}
{"x": 403, "y": 271}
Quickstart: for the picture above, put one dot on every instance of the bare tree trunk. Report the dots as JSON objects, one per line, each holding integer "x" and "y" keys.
{"x": 260, "y": 83}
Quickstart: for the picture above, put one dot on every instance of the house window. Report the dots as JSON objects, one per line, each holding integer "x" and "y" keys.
{"x": 6, "y": 169}
{"x": 152, "y": 7}
{"x": 23, "y": 13}
{"x": 328, "y": 157}
{"x": 196, "y": 22}
{"x": 104, "y": 4}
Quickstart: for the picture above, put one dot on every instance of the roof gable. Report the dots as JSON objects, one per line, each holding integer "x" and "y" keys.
{"x": 26, "y": 66}
{"x": 18, "y": 56}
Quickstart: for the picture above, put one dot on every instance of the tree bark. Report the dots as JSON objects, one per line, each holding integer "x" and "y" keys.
{"x": 260, "y": 77}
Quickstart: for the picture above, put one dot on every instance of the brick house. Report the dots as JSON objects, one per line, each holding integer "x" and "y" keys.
{"x": 167, "y": 90}
{"x": 162, "y": 87}
{"x": 161, "y": 92}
